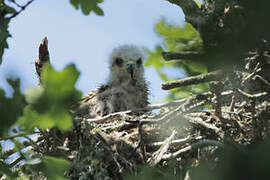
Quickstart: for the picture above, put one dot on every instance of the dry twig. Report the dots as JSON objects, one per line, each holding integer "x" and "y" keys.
{"x": 202, "y": 78}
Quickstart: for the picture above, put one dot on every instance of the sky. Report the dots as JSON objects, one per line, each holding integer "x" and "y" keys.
{"x": 84, "y": 40}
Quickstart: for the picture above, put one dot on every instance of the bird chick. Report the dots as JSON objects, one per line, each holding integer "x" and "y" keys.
{"x": 126, "y": 87}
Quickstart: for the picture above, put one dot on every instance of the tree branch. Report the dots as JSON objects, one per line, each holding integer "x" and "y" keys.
{"x": 198, "y": 121}
{"x": 200, "y": 144}
{"x": 202, "y": 78}
{"x": 163, "y": 149}
{"x": 191, "y": 10}
{"x": 17, "y": 135}
{"x": 186, "y": 55}
{"x": 22, "y": 8}
{"x": 43, "y": 57}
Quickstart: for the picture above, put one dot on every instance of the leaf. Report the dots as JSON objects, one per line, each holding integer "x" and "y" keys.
{"x": 6, "y": 169}
{"x": 10, "y": 108}
{"x": 98, "y": 11}
{"x": 198, "y": 3}
{"x": 178, "y": 39}
{"x": 52, "y": 167}
{"x": 75, "y": 3}
{"x": 87, "y": 6}
{"x": 49, "y": 106}
{"x": 4, "y": 22}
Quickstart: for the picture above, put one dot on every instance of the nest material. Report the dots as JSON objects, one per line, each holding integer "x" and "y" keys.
{"x": 178, "y": 131}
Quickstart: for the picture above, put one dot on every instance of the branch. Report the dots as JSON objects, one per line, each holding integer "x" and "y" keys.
{"x": 148, "y": 108}
{"x": 43, "y": 57}
{"x": 202, "y": 78}
{"x": 252, "y": 96}
{"x": 186, "y": 55}
{"x": 177, "y": 141}
{"x": 22, "y": 8}
{"x": 179, "y": 111}
{"x": 198, "y": 121}
{"x": 17, "y": 135}
{"x": 262, "y": 79}
{"x": 200, "y": 144}
{"x": 191, "y": 10}
{"x": 162, "y": 150}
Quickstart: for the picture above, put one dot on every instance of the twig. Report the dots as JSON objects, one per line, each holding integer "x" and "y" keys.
{"x": 148, "y": 108}
{"x": 163, "y": 149}
{"x": 141, "y": 144}
{"x": 14, "y": 2}
{"x": 177, "y": 141}
{"x": 180, "y": 110}
{"x": 216, "y": 88}
{"x": 17, "y": 135}
{"x": 262, "y": 79}
{"x": 202, "y": 78}
{"x": 200, "y": 144}
{"x": 43, "y": 57}
{"x": 16, "y": 161}
{"x": 232, "y": 105}
{"x": 252, "y": 96}
{"x": 186, "y": 55}
{"x": 198, "y": 121}
{"x": 22, "y": 8}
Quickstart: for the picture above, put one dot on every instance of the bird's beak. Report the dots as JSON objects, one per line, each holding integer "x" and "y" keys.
{"x": 130, "y": 69}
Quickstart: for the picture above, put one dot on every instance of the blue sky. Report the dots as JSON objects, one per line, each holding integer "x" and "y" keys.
{"x": 84, "y": 40}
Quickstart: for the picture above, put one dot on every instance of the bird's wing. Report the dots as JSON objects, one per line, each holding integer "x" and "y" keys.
{"x": 92, "y": 105}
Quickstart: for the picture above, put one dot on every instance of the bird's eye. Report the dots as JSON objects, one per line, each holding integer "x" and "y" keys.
{"x": 119, "y": 62}
{"x": 139, "y": 62}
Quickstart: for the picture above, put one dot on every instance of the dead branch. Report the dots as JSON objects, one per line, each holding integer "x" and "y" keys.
{"x": 157, "y": 156}
{"x": 252, "y": 96}
{"x": 43, "y": 57}
{"x": 198, "y": 121}
{"x": 262, "y": 79}
{"x": 200, "y": 144}
{"x": 17, "y": 135}
{"x": 186, "y": 55}
{"x": 216, "y": 88}
{"x": 202, "y": 78}
{"x": 177, "y": 141}
{"x": 186, "y": 102}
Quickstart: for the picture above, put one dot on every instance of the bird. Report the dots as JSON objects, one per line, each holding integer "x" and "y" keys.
{"x": 126, "y": 87}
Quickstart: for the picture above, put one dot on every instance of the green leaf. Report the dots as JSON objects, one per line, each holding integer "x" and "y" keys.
{"x": 49, "y": 105}
{"x": 87, "y": 6}
{"x": 4, "y": 22}
{"x": 6, "y": 169}
{"x": 4, "y": 35}
{"x": 198, "y": 3}
{"x": 98, "y": 11}
{"x": 178, "y": 39}
{"x": 75, "y": 3}
{"x": 10, "y": 108}
{"x": 52, "y": 167}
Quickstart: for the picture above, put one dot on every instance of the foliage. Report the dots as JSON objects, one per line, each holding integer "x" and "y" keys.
{"x": 236, "y": 163}
{"x": 52, "y": 167}
{"x": 43, "y": 107}
{"x": 49, "y": 105}
{"x": 7, "y": 12}
{"x": 147, "y": 172}
{"x": 178, "y": 39}
{"x": 87, "y": 6}
{"x": 10, "y": 108}
{"x": 4, "y": 21}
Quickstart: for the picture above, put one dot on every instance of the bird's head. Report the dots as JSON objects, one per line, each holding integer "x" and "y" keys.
{"x": 126, "y": 64}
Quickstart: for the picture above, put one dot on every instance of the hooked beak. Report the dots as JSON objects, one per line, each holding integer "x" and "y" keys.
{"x": 130, "y": 69}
